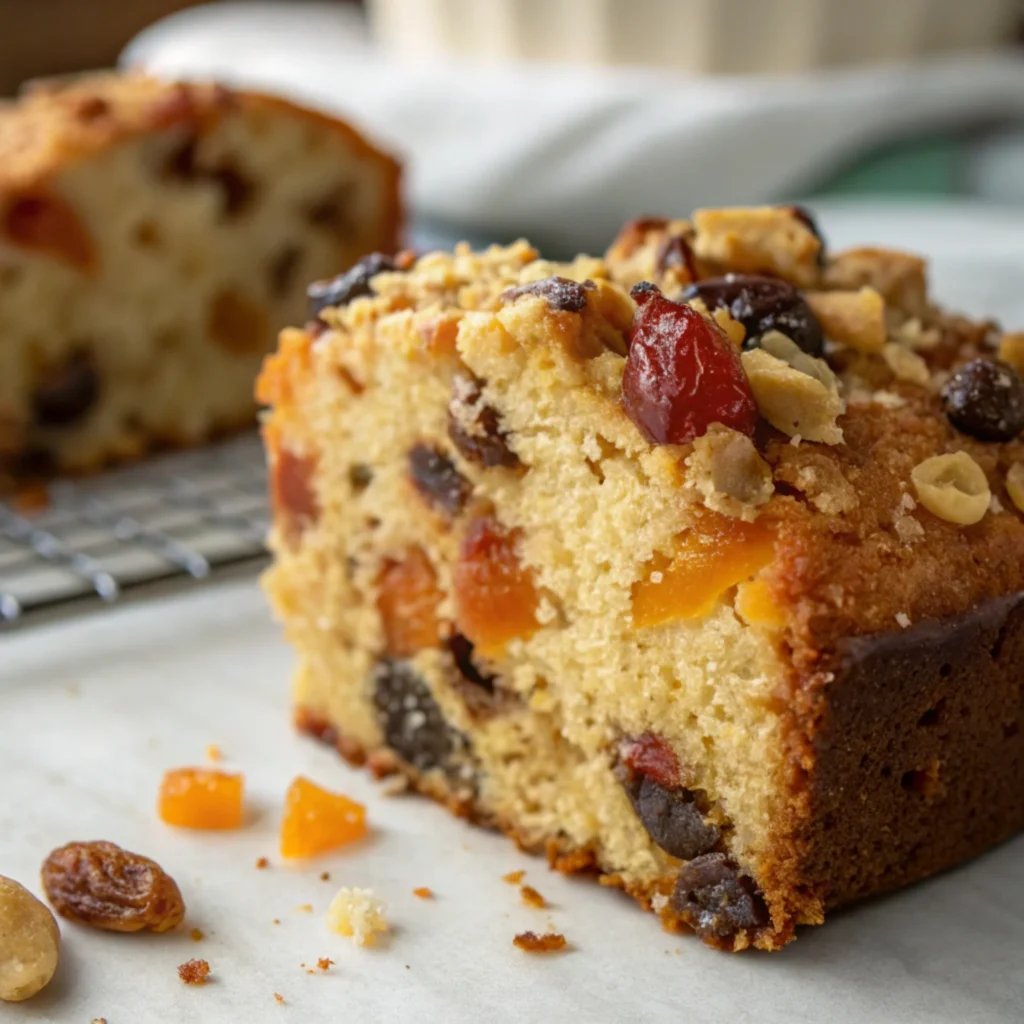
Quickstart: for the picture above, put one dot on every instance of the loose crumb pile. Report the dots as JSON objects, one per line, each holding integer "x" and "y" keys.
{"x": 532, "y": 898}
{"x": 357, "y": 912}
{"x": 194, "y": 972}
{"x": 531, "y": 942}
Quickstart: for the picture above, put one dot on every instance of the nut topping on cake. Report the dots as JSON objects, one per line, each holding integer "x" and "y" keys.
{"x": 952, "y": 487}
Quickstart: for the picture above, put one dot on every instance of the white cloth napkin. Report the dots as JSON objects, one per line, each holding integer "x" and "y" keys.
{"x": 566, "y": 155}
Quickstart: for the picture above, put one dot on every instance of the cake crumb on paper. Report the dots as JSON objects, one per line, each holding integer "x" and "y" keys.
{"x": 197, "y": 935}
{"x": 532, "y": 898}
{"x": 214, "y": 753}
{"x": 325, "y": 963}
{"x": 305, "y": 908}
{"x": 531, "y": 942}
{"x": 423, "y": 893}
{"x": 357, "y": 913}
{"x": 325, "y": 876}
{"x": 194, "y": 972}
{"x": 278, "y": 998}
{"x": 514, "y": 877}
{"x": 261, "y": 863}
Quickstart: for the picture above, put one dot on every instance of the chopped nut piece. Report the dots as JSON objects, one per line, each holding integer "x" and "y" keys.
{"x": 531, "y": 942}
{"x": 513, "y": 877}
{"x": 358, "y": 913}
{"x": 898, "y": 277}
{"x": 1011, "y": 350}
{"x": 772, "y": 239}
{"x": 29, "y": 943}
{"x": 785, "y": 348}
{"x": 194, "y": 972}
{"x": 792, "y": 401}
{"x": 100, "y": 884}
{"x": 952, "y": 487}
{"x": 822, "y": 482}
{"x": 727, "y": 470}
{"x": 1015, "y": 484}
{"x": 423, "y": 893}
{"x": 906, "y": 365}
{"x": 532, "y": 898}
{"x": 856, "y": 319}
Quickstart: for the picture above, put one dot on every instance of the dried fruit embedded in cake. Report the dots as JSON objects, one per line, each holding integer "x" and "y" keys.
{"x": 237, "y": 324}
{"x": 561, "y": 294}
{"x": 291, "y": 492}
{"x": 675, "y": 253}
{"x": 412, "y": 723}
{"x": 682, "y": 373}
{"x": 67, "y": 392}
{"x": 435, "y": 477}
{"x": 671, "y": 815}
{"x": 650, "y": 755}
{"x": 495, "y": 596}
{"x": 985, "y": 398}
{"x": 201, "y": 798}
{"x": 29, "y": 943}
{"x": 355, "y": 283}
{"x": 316, "y": 820}
{"x": 407, "y": 600}
{"x": 715, "y": 899}
{"x": 49, "y": 224}
{"x": 707, "y": 560}
{"x": 474, "y": 426}
{"x": 761, "y": 304}
{"x": 101, "y": 885}
{"x": 953, "y": 487}
{"x": 462, "y": 654}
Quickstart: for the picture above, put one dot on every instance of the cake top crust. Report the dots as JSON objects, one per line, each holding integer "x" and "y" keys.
{"x": 886, "y": 454}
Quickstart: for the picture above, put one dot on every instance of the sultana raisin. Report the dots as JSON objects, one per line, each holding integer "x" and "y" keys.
{"x": 29, "y": 943}
{"x": 101, "y": 885}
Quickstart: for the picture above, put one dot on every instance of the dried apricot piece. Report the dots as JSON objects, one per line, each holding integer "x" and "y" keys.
{"x": 316, "y": 820}
{"x": 101, "y": 885}
{"x": 49, "y": 224}
{"x": 201, "y": 798}
{"x": 707, "y": 560}
{"x": 407, "y": 599}
{"x": 292, "y": 494}
{"x": 495, "y": 596}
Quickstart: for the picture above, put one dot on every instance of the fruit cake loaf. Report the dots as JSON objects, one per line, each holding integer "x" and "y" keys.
{"x": 154, "y": 238}
{"x": 699, "y": 566}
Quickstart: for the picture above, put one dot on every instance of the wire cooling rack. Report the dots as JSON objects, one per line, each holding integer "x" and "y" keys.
{"x": 180, "y": 519}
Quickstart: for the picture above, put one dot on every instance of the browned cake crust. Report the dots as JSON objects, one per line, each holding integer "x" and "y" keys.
{"x": 841, "y": 719}
{"x": 123, "y": 197}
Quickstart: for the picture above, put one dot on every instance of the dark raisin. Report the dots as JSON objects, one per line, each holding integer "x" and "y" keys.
{"x": 67, "y": 393}
{"x": 671, "y": 816}
{"x": 435, "y": 477}
{"x": 761, "y": 304}
{"x": 675, "y": 252}
{"x": 474, "y": 428}
{"x": 462, "y": 653}
{"x": 715, "y": 899}
{"x": 236, "y": 189}
{"x": 359, "y": 477}
{"x": 334, "y": 211}
{"x": 682, "y": 374}
{"x": 560, "y": 293}
{"x": 410, "y": 718}
{"x": 803, "y": 215}
{"x": 282, "y": 268}
{"x": 985, "y": 398}
{"x": 353, "y": 284}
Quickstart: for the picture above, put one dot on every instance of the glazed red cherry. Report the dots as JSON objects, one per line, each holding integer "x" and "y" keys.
{"x": 682, "y": 373}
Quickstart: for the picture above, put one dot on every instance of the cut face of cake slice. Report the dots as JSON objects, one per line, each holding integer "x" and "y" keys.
{"x": 154, "y": 239}
{"x": 707, "y": 583}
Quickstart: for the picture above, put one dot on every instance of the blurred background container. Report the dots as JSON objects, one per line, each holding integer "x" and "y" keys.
{"x": 698, "y": 36}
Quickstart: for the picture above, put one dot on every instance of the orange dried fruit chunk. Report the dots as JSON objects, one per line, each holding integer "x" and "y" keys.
{"x": 407, "y": 599}
{"x": 715, "y": 555}
{"x": 49, "y": 224}
{"x": 201, "y": 798}
{"x": 756, "y": 606}
{"x": 495, "y": 597}
{"x": 291, "y": 492}
{"x": 316, "y": 820}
